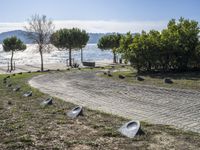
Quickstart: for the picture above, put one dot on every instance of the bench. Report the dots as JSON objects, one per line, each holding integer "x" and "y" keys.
{"x": 89, "y": 64}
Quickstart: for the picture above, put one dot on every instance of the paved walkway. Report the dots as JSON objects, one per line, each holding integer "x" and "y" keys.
{"x": 26, "y": 68}
{"x": 53, "y": 66}
{"x": 180, "y": 108}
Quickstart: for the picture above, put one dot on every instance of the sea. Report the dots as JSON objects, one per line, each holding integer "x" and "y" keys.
{"x": 30, "y": 56}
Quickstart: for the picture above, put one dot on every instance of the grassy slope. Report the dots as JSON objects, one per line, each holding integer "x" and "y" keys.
{"x": 25, "y": 124}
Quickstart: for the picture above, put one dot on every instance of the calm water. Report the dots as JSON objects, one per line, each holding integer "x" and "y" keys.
{"x": 30, "y": 55}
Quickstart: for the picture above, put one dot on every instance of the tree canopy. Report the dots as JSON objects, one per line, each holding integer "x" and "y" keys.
{"x": 175, "y": 48}
{"x": 70, "y": 39}
{"x": 13, "y": 44}
{"x": 110, "y": 42}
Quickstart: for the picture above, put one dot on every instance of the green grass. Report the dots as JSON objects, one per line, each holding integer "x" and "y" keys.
{"x": 24, "y": 124}
{"x": 188, "y": 80}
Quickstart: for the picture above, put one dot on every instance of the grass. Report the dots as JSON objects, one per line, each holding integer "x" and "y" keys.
{"x": 24, "y": 124}
{"x": 187, "y": 80}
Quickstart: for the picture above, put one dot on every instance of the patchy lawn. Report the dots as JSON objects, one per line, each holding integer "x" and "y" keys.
{"x": 187, "y": 80}
{"x": 24, "y": 124}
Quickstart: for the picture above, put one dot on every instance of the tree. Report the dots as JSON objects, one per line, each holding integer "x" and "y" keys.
{"x": 188, "y": 32}
{"x": 13, "y": 44}
{"x": 153, "y": 41}
{"x": 69, "y": 39}
{"x": 39, "y": 31}
{"x": 110, "y": 42}
{"x": 124, "y": 48}
{"x": 175, "y": 48}
{"x": 135, "y": 57}
{"x": 179, "y": 42}
{"x": 83, "y": 39}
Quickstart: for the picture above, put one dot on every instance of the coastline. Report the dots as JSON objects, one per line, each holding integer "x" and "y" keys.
{"x": 50, "y": 66}
{"x": 31, "y": 57}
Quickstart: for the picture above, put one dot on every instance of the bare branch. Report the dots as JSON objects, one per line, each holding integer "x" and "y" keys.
{"x": 39, "y": 30}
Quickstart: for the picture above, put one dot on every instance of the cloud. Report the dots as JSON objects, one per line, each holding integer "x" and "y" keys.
{"x": 96, "y": 26}
{"x": 11, "y": 26}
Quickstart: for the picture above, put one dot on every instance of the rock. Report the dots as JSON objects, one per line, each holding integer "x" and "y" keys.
{"x": 7, "y": 77}
{"x": 9, "y": 85}
{"x": 75, "y": 112}
{"x": 139, "y": 78}
{"x": 9, "y": 103}
{"x": 168, "y": 81}
{"x": 112, "y": 67}
{"x": 46, "y": 70}
{"x": 105, "y": 73}
{"x": 28, "y": 94}
{"x": 48, "y": 101}
{"x": 109, "y": 74}
{"x": 130, "y": 129}
{"x": 121, "y": 76}
{"x": 16, "y": 89}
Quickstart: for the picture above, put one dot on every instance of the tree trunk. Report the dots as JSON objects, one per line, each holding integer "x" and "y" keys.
{"x": 149, "y": 66}
{"x": 11, "y": 62}
{"x": 70, "y": 57}
{"x": 41, "y": 55}
{"x": 114, "y": 57}
{"x": 81, "y": 55}
{"x": 138, "y": 69}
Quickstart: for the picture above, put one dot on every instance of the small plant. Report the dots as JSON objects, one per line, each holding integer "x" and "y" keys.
{"x": 75, "y": 65}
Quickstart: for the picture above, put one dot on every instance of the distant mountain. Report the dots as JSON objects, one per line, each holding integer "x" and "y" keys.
{"x": 94, "y": 37}
{"x": 18, "y": 33}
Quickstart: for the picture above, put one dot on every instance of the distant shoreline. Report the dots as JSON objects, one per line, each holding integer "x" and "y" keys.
{"x": 51, "y": 66}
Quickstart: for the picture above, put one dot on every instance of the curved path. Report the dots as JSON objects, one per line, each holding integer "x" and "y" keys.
{"x": 180, "y": 108}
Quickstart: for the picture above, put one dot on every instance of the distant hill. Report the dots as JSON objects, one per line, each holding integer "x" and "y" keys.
{"x": 94, "y": 37}
{"x": 18, "y": 33}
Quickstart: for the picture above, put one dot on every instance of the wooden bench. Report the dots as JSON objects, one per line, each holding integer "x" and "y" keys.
{"x": 89, "y": 64}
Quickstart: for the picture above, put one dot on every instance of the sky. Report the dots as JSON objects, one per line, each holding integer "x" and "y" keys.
{"x": 99, "y": 15}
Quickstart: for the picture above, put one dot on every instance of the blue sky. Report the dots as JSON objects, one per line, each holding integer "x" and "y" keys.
{"x": 99, "y": 15}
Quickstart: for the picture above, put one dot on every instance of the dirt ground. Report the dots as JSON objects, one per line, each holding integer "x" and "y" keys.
{"x": 25, "y": 124}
